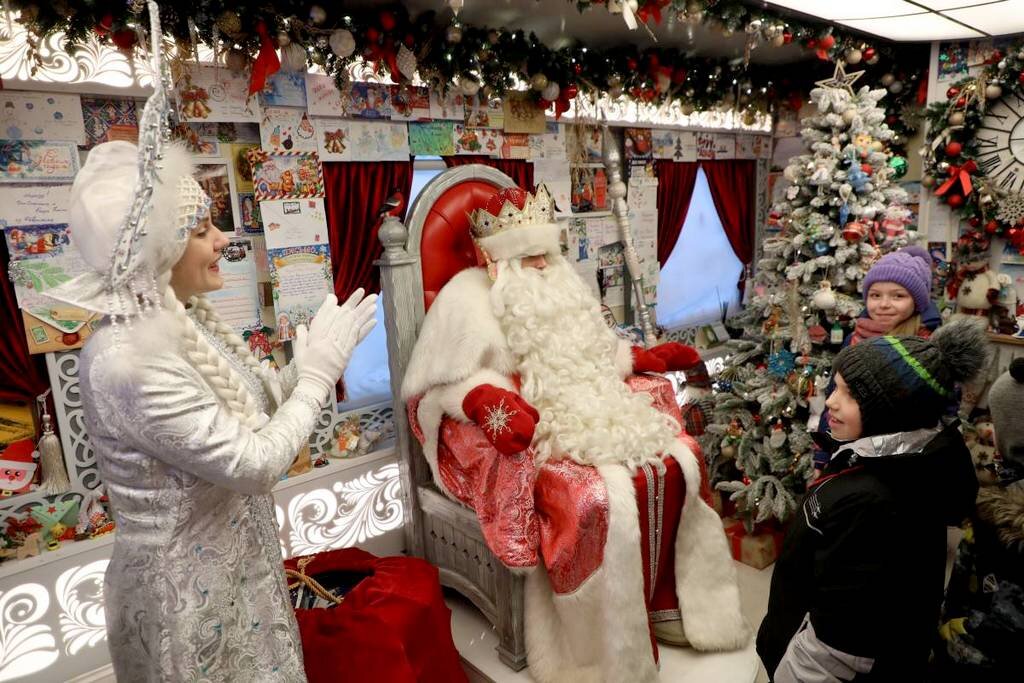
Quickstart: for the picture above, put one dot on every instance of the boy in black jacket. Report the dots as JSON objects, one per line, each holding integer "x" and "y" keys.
{"x": 858, "y": 584}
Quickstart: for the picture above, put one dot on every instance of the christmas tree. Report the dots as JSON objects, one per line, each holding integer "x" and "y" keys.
{"x": 840, "y": 213}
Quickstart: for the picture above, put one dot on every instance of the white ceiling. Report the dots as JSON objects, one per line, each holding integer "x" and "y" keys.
{"x": 918, "y": 20}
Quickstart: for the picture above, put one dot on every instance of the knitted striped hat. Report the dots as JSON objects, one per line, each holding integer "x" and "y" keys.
{"x": 905, "y": 383}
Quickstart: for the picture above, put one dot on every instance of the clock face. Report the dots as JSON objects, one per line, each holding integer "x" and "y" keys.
{"x": 1000, "y": 143}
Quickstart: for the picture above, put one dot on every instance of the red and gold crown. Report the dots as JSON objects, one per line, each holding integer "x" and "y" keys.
{"x": 515, "y": 223}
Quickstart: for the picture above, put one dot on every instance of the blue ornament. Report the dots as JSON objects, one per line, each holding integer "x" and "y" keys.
{"x": 857, "y": 177}
{"x": 782, "y": 363}
{"x": 724, "y": 385}
{"x": 821, "y": 247}
{"x": 844, "y": 214}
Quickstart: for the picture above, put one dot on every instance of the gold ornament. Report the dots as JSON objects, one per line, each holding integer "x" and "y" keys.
{"x": 840, "y": 79}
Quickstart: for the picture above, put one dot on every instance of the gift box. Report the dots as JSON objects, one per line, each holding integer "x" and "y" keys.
{"x": 758, "y": 549}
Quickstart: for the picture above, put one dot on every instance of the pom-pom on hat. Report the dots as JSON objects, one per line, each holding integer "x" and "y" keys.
{"x": 1005, "y": 398}
{"x": 905, "y": 383}
{"x": 909, "y": 269}
{"x": 515, "y": 223}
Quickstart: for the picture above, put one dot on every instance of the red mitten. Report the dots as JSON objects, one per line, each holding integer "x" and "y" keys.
{"x": 676, "y": 356}
{"x": 507, "y": 420}
{"x": 646, "y": 361}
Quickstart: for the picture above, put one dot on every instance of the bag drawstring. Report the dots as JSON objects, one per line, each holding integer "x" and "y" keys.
{"x": 309, "y": 581}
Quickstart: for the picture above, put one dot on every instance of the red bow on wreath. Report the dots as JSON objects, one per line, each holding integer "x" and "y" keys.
{"x": 961, "y": 173}
{"x": 651, "y": 9}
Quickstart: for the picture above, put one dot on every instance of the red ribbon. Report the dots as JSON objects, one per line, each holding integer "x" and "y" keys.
{"x": 266, "y": 63}
{"x": 962, "y": 174}
{"x": 651, "y": 9}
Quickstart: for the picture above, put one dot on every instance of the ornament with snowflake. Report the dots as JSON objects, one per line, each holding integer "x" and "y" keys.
{"x": 1011, "y": 209}
{"x": 498, "y": 418}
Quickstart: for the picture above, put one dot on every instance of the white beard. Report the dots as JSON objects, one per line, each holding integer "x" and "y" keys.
{"x": 565, "y": 355}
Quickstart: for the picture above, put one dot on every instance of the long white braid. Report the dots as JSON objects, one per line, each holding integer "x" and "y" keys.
{"x": 214, "y": 368}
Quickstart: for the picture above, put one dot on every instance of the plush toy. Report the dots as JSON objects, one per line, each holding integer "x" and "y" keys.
{"x": 974, "y": 287}
{"x": 17, "y": 467}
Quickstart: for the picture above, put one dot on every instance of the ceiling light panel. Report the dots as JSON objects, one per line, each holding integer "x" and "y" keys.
{"x": 860, "y": 9}
{"x": 998, "y": 18}
{"x": 917, "y": 27}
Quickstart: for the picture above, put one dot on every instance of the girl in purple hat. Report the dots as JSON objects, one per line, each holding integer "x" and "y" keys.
{"x": 897, "y": 297}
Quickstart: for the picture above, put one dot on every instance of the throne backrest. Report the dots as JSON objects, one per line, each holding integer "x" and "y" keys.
{"x": 419, "y": 259}
{"x": 439, "y": 223}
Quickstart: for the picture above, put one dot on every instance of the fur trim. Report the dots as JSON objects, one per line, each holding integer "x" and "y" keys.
{"x": 447, "y": 400}
{"x": 1003, "y": 508}
{"x": 460, "y": 335}
{"x": 136, "y": 343}
{"x": 624, "y": 359}
{"x": 525, "y": 241}
{"x": 599, "y": 632}
{"x": 709, "y": 597}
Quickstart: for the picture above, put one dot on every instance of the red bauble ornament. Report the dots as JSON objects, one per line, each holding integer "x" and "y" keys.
{"x": 827, "y": 42}
{"x": 570, "y": 91}
{"x": 387, "y": 21}
{"x": 974, "y": 221}
{"x": 992, "y": 227}
{"x": 953, "y": 149}
{"x": 1021, "y": 77}
{"x": 952, "y": 92}
{"x": 869, "y": 53}
{"x": 787, "y": 38}
{"x": 653, "y": 61}
{"x": 891, "y": 120}
{"x": 409, "y": 40}
{"x": 812, "y": 43}
{"x": 994, "y": 57}
{"x": 961, "y": 102}
{"x": 955, "y": 201}
{"x": 103, "y": 28}
{"x": 124, "y": 38}
{"x": 867, "y": 168}
{"x": 70, "y": 338}
{"x": 372, "y": 34}
{"x": 577, "y": 69}
{"x": 631, "y": 64}
{"x": 543, "y": 103}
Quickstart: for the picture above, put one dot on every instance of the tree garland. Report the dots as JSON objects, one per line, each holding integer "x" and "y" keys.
{"x": 955, "y": 162}
{"x": 445, "y": 53}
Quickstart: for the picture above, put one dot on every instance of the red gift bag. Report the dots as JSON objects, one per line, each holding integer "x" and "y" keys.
{"x": 392, "y": 626}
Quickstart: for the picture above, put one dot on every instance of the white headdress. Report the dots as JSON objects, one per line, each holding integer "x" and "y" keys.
{"x": 132, "y": 209}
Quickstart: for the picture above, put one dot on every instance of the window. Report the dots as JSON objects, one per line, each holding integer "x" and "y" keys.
{"x": 367, "y": 377}
{"x": 702, "y": 271}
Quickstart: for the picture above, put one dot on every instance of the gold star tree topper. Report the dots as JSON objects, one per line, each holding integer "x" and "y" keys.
{"x": 840, "y": 79}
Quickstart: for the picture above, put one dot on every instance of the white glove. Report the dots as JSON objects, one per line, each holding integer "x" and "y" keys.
{"x": 323, "y": 350}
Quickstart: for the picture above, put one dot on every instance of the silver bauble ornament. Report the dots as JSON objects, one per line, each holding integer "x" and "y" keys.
{"x": 956, "y": 118}
{"x": 551, "y": 91}
{"x": 236, "y": 60}
{"x": 469, "y": 86}
{"x": 896, "y": 87}
{"x": 927, "y": 181}
{"x": 993, "y": 91}
{"x": 849, "y": 116}
{"x": 538, "y": 82}
{"x": 873, "y": 60}
{"x": 853, "y": 56}
{"x": 887, "y": 79}
{"x": 942, "y": 167}
{"x": 317, "y": 15}
{"x": 686, "y": 108}
{"x": 342, "y": 43}
{"x": 1001, "y": 65}
{"x": 293, "y": 58}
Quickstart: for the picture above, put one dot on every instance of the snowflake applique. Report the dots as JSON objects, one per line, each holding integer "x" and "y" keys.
{"x": 498, "y": 419}
{"x": 1011, "y": 209}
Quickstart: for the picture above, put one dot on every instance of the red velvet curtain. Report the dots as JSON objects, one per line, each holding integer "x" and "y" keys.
{"x": 676, "y": 180}
{"x": 355, "y": 191}
{"x": 22, "y": 376}
{"x": 519, "y": 170}
{"x": 732, "y": 189}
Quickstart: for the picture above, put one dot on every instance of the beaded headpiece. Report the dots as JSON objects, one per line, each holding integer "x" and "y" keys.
{"x": 516, "y": 223}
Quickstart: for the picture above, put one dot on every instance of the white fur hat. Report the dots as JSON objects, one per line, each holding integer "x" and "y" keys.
{"x": 101, "y": 198}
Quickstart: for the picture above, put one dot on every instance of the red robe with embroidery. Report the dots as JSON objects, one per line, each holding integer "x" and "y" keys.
{"x": 608, "y": 550}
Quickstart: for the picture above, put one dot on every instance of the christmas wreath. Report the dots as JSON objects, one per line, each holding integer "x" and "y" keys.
{"x": 974, "y": 151}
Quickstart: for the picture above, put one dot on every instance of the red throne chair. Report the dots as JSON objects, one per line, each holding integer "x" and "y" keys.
{"x": 419, "y": 258}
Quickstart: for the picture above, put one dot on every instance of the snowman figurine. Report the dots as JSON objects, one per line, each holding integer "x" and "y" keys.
{"x": 824, "y": 299}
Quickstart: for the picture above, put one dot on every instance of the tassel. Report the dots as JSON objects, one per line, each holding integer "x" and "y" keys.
{"x": 51, "y": 460}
